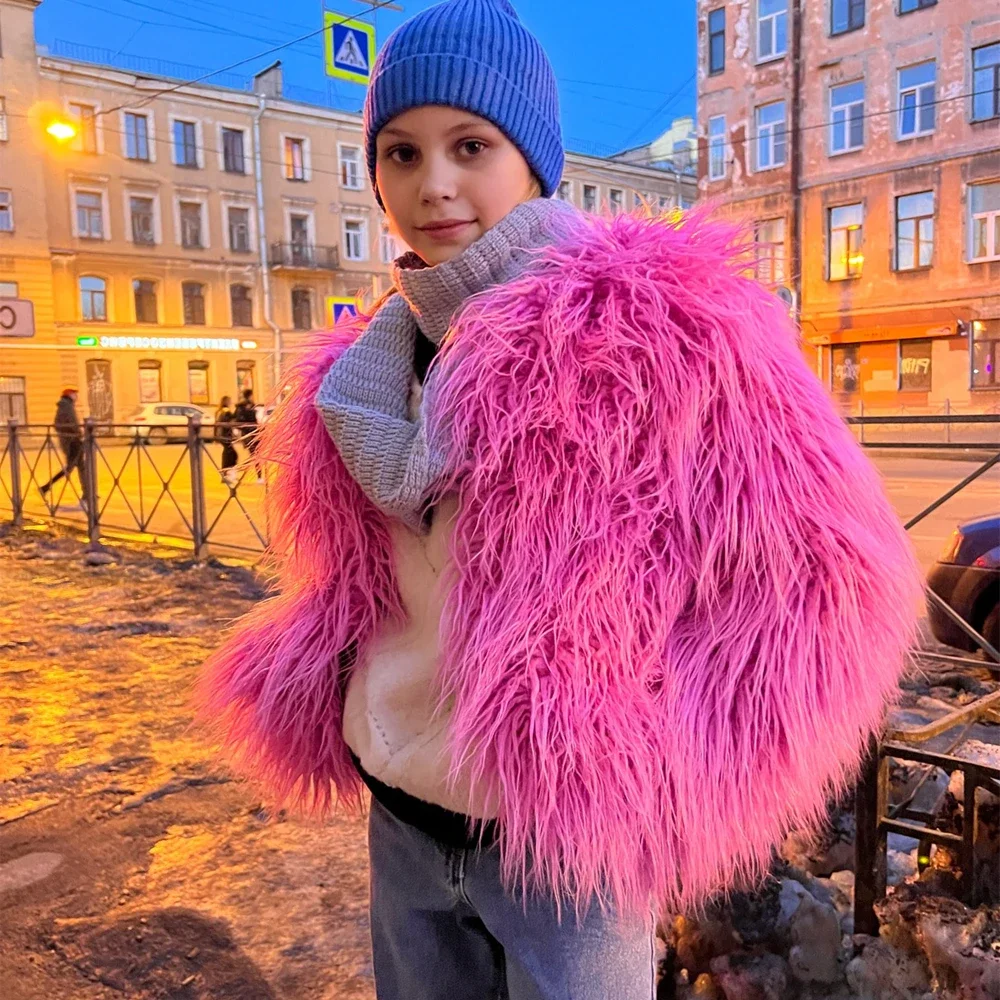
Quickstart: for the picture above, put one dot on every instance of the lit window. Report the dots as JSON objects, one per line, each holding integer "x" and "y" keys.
{"x": 295, "y": 159}
{"x": 846, "y": 232}
{"x": 985, "y": 354}
{"x": 984, "y": 221}
{"x": 916, "y": 100}
{"x": 847, "y": 117}
{"x": 914, "y": 230}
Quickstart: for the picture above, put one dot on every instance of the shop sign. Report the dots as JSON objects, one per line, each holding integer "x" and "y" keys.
{"x": 163, "y": 343}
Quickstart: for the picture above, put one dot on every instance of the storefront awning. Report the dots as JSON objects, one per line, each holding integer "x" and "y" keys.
{"x": 858, "y": 329}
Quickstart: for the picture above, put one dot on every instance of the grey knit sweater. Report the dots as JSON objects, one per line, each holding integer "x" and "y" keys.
{"x": 364, "y": 398}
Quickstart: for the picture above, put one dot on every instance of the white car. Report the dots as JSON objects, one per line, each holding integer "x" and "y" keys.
{"x": 158, "y": 423}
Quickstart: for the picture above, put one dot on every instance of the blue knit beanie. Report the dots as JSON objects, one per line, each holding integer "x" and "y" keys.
{"x": 474, "y": 55}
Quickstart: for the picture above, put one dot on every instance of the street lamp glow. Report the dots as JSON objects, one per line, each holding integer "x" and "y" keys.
{"x": 60, "y": 130}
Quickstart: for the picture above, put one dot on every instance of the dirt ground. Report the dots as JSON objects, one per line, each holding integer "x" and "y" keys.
{"x": 131, "y": 865}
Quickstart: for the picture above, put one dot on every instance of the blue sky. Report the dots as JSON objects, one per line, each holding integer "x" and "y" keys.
{"x": 625, "y": 70}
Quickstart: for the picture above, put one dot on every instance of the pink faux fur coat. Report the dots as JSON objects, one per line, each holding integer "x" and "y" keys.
{"x": 681, "y": 600}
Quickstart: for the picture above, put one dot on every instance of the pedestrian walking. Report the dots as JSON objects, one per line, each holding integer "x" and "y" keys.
{"x": 581, "y": 574}
{"x": 225, "y": 434}
{"x": 70, "y": 434}
{"x": 245, "y": 418}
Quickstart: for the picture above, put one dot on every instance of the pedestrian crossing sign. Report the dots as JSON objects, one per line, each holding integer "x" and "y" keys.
{"x": 349, "y": 47}
{"x": 340, "y": 308}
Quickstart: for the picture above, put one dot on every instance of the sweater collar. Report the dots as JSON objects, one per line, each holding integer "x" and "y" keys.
{"x": 434, "y": 294}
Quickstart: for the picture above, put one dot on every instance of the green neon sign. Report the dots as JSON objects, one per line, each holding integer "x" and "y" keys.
{"x": 86, "y": 342}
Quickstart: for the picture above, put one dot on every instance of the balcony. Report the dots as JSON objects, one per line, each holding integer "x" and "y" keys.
{"x": 303, "y": 257}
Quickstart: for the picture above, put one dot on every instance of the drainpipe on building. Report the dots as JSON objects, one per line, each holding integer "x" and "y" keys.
{"x": 795, "y": 170}
{"x": 265, "y": 272}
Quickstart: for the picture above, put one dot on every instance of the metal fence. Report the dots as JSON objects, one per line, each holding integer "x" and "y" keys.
{"x": 115, "y": 480}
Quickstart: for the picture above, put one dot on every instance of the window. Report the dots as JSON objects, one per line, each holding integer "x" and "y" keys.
{"x": 986, "y": 82}
{"x": 190, "y": 213}
{"x": 244, "y": 376}
{"x": 847, "y": 117}
{"x": 241, "y": 305}
{"x": 239, "y": 229}
{"x": 844, "y": 368}
{"x": 351, "y": 176}
{"x": 846, "y": 15}
{"x": 916, "y": 99}
{"x": 193, "y": 295}
{"x": 769, "y": 251}
{"x": 198, "y": 382}
{"x": 915, "y": 365}
{"x": 388, "y": 251}
{"x": 86, "y": 125}
{"x": 914, "y": 230}
{"x": 717, "y": 40}
{"x": 984, "y": 211}
{"x": 13, "y": 404}
{"x": 89, "y": 215}
{"x": 905, "y": 6}
{"x": 846, "y": 230}
{"x": 616, "y": 198}
{"x": 150, "y": 389}
{"x": 717, "y": 148}
{"x": 772, "y": 28}
{"x": 93, "y": 299}
{"x": 6, "y": 211}
{"x": 295, "y": 159}
{"x": 565, "y": 191}
{"x": 354, "y": 240}
{"x": 3, "y": 120}
{"x": 136, "y": 136}
{"x": 8, "y": 289}
{"x": 144, "y": 293}
{"x": 664, "y": 203}
{"x": 770, "y": 143}
{"x": 185, "y": 144}
{"x": 985, "y": 353}
{"x": 301, "y": 309}
{"x": 141, "y": 211}
{"x": 590, "y": 197}
{"x": 233, "y": 160}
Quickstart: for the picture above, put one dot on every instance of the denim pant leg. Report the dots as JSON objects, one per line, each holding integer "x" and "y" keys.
{"x": 427, "y": 941}
{"x": 601, "y": 958}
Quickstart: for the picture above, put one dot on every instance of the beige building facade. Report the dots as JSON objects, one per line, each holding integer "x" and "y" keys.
{"x": 186, "y": 242}
{"x": 861, "y": 138}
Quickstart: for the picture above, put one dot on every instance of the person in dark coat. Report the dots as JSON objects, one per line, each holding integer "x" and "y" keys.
{"x": 225, "y": 434}
{"x": 67, "y": 427}
{"x": 245, "y": 419}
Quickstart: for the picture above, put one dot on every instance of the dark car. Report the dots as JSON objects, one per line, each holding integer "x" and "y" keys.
{"x": 967, "y": 576}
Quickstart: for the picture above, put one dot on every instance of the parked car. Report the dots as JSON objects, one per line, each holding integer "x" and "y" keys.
{"x": 967, "y": 576}
{"x": 158, "y": 423}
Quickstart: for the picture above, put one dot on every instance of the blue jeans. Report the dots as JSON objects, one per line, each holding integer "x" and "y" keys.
{"x": 443, "y": 928}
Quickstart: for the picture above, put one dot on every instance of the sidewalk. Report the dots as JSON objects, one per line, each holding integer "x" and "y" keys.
{"x": 130, "y": 865}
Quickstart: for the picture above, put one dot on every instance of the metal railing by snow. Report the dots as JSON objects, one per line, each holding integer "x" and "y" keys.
{"x": 114, "y": 479}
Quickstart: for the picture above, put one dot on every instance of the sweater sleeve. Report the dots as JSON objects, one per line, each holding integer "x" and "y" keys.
{"x": 364, "y": 400}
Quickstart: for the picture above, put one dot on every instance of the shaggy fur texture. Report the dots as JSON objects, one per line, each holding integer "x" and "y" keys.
{"x": 680, "y": 600}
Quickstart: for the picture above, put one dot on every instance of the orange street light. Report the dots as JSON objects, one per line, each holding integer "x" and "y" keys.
{"x": 60, "y": 130}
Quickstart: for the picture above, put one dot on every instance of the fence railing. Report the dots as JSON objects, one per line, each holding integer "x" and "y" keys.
{"x": 945, "y": 429}
{"x": 113, "y": 478}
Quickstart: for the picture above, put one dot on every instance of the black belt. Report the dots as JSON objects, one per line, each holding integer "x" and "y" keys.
{"x": 452, "y": 829}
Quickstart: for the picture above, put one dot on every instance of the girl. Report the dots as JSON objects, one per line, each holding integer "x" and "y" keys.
{"x": 225, "y": 434}
{"x": 580, "y": 573}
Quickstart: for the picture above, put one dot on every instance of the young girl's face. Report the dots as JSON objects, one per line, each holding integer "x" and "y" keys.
{"x": 447, "y": 176}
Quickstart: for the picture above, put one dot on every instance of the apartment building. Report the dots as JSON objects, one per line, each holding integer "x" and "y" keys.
{"x": 861, "y": 138}
{"x": 184, "y": 244}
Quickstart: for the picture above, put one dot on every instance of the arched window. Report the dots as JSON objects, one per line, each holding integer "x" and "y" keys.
{"x": 241, "y": 304}
{"x": 93, "y": 299}
{"x": 145, "y": 300}
{"x": 193, "y": 294}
